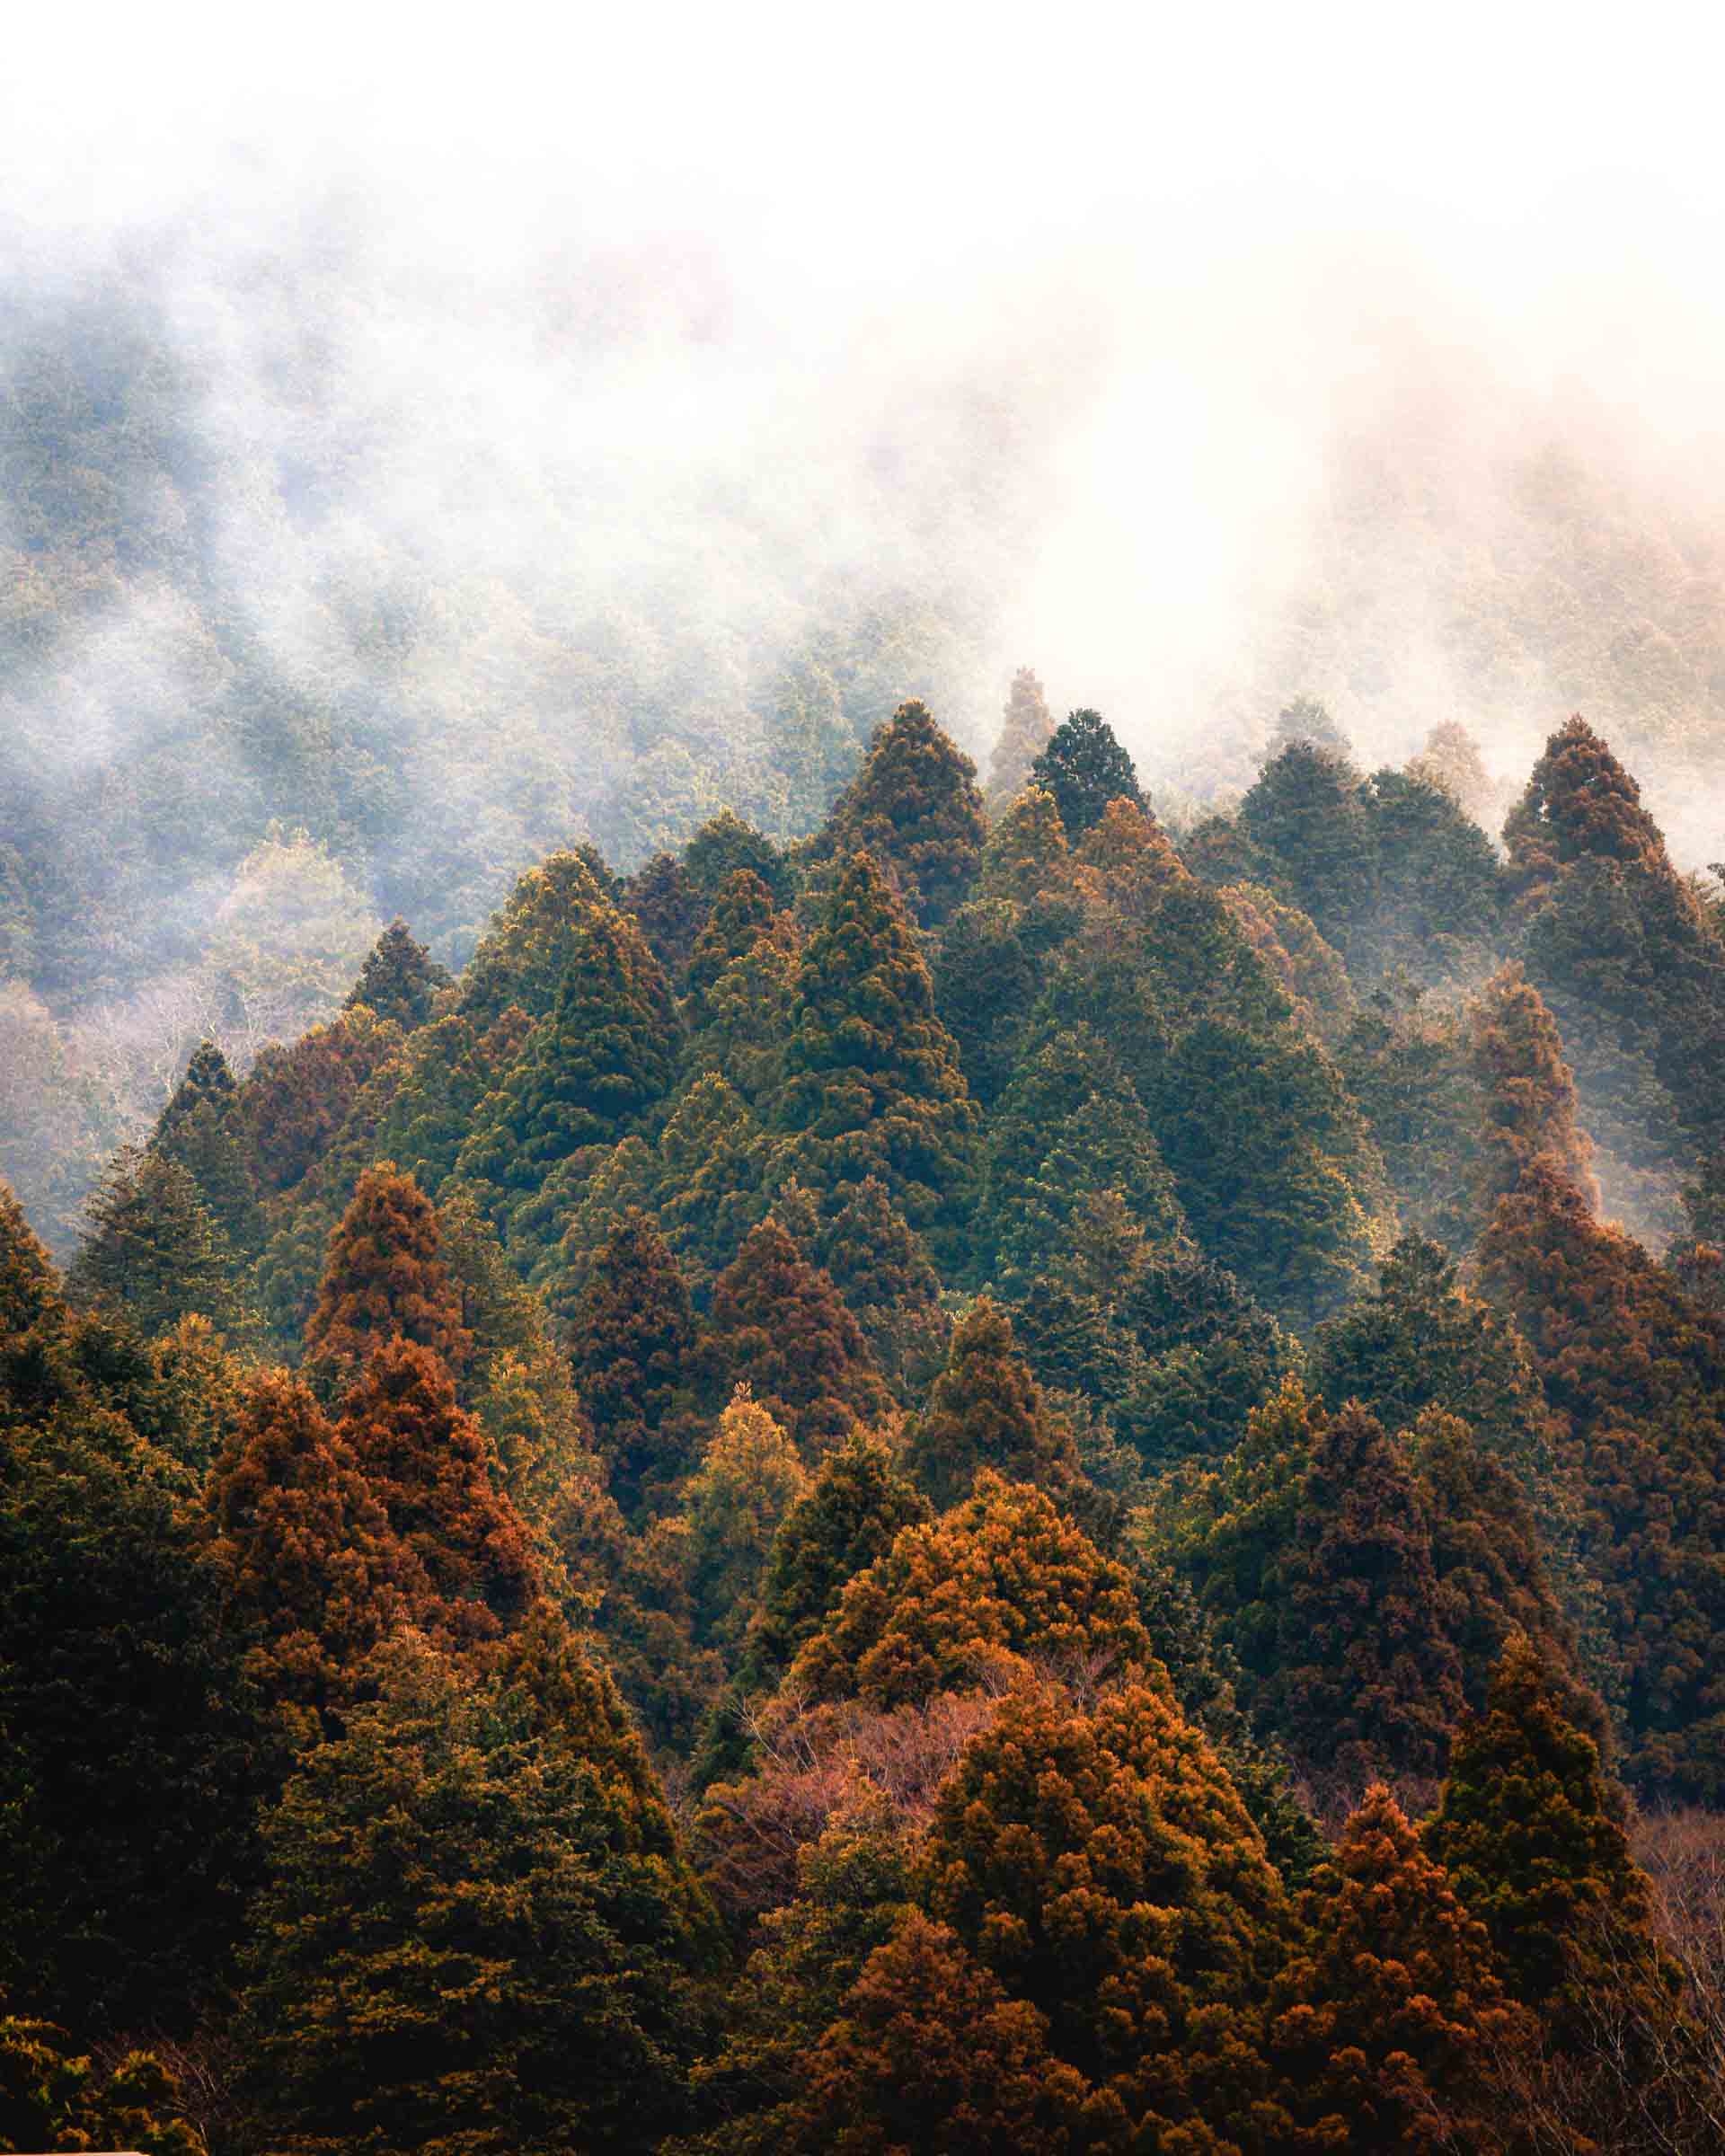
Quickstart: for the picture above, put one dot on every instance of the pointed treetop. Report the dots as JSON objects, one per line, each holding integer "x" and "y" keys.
{"x": 525, "y": 953}
{"x": 1579, "y": 803}
{"x": 915, "y": 806}
{"x": 28, "y": 1284}
{"x": 1026, "y": 854}
{"x": 399, "y": 979}
{"x": 1026, "y": 724}
{"x": 986, "y": 1410}
{"x": 1528, "y": 1098}
{"x": 1085, "y": 768}
{"x": 208, "y": 1079}
{"x": 385, "y": 1278}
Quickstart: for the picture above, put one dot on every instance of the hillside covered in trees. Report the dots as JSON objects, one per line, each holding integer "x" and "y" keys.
{"x": 967, "y": 1472}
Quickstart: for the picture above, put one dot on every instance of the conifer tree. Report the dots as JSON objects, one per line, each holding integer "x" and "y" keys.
{"x": 1125, "y": 862}
{"x": 1532, "y": 1834}
{"x": 748, "y": 1479}
{"x": 1439, "y": 890}
{"x": 669, "y": 910}
{"x": 1026, "y": 724}
{"x": 29, "y": 1285}
{"x": 930, "y": 2054}
{"x": 632, "y": 1339}
{"x": 126, "y": 1769}
{"x": 985, "y": 1411}
{"x": 385, "y": 1278}
{"x": 399, "y": 979}
{"x": 474, "y": 1932}
{"x": 1391, "y": 2029}
{"x": 743, "y": 1016}
{"x": 1367, "y": 1678}
{"x": 742, "y": 910}
{"x": 967, "y": 1598}
{"x": 525, "y": 954}
{"x": 1309, "y": 817}
{"x": 590, "y": 1072}
{"x": 707, "y": 1185}
{"x": 1102, "y": 1865}
{"x": 881, "y": 1269}
{"x": 428, "y": 1465}
{"x": 871, "y": 1080}
{"x": 779, "y": 1326}
{"x": 1084, "y": 768}
{"x": 724, "y": 846}
{"x": 296, "y": 1100}
{"x": 153, "y": 1252}
{"x": 1451, "y": 761}
{"x": 312, "y": 1574}
{"x": 850, "y": 1515}
{"x": 1528, "y": 1090}
{"x": 985, "y": 981}
{"x": 1026, "y": 857}
{"x": 50, "y": 2095}
{"x": 201, "y": 1130}
{"x": 914, "y": 805}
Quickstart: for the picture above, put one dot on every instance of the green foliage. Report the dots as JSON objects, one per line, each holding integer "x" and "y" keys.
{"x": 475, "y": 1929}
{"x": 986, "y": 1410}
{"x": 152, "y": 1251}
{"x": 871, "y": 1083}
{"x": 748, "y": 1479}
{"x": 1084, "y": 768}
{"x": 915, "y": 808}
{"x": 632, "y": 1338}
{"x": 51, "y": 2094}
{"x": 399, "y": 979}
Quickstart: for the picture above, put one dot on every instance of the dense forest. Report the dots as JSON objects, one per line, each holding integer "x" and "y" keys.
{"x": 964, "y": 1471}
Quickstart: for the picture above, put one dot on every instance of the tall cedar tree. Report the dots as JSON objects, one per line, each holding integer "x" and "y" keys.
{"x": 872, "y": 1081}
{"x": 200, "y": 1128}
{"x": 1637, "y": 1368}
{"x": 1102, "y": 1865}
{"x": 724, "y": 845}
{"x": 957, "y": 1602}
{"x": 1391, "y": 2029}
{"x": 669, "y": 909}
{"x": 780, "y": 1327}
{"x": 930, "y": 2054}
{"x": 707, "y": 1176}
{"x": 882, "y": 1268}
{"x": 399, "y": 979}
{"x": 126, "y": 1771}
{"x": 1409, "y": 1065}
{"x": 742, "y": 910}
{"x": 748, "y": 1479}
{"x": 1026, "y": 726}
{"x": 1026, "y": 856}
{"x": 985, "y": 1409}
{"x": 1533, "y": 1838}
{"x": 312, "y": 1574}
{"x": 1308, "y": 817}
{"x": 528, "y": 950}
{"x": 384, "y": 1279}
{"x": 1084, "y": 768}
{"x": 475, "y": 1930}
{"x": 631, "y": 1342}
{"x": 153, "y": 1252}
{"x": 1368, "y": 1680}
{"x": 1451, "y": 760}
{"x": 1527, "y": 1090}
{"x": 915, "y": 808}
{"x": 850, "y": 1515}
{"x": 591, "y": 1071}
{"x": 429, "y": 1464}
{"x": 295, "y": 1100}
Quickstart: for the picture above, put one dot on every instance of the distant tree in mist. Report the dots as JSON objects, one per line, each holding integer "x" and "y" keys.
{"x": 1026, "y": 724}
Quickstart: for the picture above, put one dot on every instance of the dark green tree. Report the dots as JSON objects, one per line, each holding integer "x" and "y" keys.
{"x": 399, "y": 979}
{"x": 915, "y": 807}
{"x": 152, "y": 1251}
{"x": 1084, "y": 768}
{"x": 986, "y": 1410}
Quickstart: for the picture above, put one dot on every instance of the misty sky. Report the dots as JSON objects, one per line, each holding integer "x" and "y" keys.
{"x": 1169, "y": 249}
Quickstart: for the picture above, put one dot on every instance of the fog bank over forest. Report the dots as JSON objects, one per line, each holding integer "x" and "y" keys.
{"x": 417, "y": 457}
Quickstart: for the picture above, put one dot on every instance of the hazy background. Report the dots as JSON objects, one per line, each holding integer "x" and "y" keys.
{"x": 429, "y": 440}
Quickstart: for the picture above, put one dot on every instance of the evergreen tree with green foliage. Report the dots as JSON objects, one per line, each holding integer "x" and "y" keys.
{"x": 780, "y": 1327}
{"x": 872, "y": 1081}
{"x": 914, "y": 805}
{"x": 986, "y": 1410}
{"x": 475, "y": 1933}
{"x": 591, "y": 1071}
{"x": 985, "y": 981}
{"x": 748, "y": 1479}
{"x": 200, "y": 1128}
{"x": 532, "y": 939}
{"x": 742, "y": 909}
{"x": 51, "y": 2095}
{"x": 632, "y": 1340}
{"x": 399, "y": 979}
{"x": 126, "y": 1769}
{"x": 724, "y": 846}
{"x": 669, "y": 909}
{"x": 1527, "y": 1090}
{"x": 881, "y": 1269}
{"x": 1309, "y": 817}
{"x": 1084, "y": 768}
{"x": 152, "y": 1251}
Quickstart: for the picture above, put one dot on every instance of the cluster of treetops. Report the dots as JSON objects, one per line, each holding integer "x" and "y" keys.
{"x": 992, "y": 1486}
